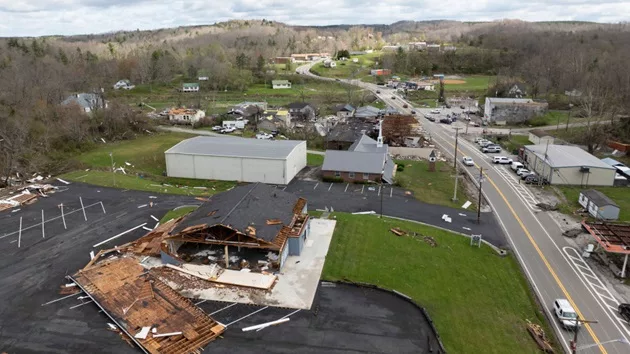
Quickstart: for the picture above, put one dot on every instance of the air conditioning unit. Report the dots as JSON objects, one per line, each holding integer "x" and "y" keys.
{"x": 585, "y": 169}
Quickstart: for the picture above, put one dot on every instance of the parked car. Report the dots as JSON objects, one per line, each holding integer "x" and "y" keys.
{"x": 265, "y": 136}
{"x": 528, "y": 174}
{"x": 393, "y": 97}
{"x": 462, "y": 107}
{"x": 432, "y": 119}
{"x": 565, "y": 314}
{"x": 476, "y": 124}
{"x": 405, "y": 106}
{"x": 275, "y": 132}
{"x": 624, "y": 311}
{"x": 378, "y": 91}
{"x": 445, "y": 120}
{"x": 491, "y": 149}
{"x": 478, "y": 139}
{"x": 435, "y": 111}
{"x": 516, "y": 165}
{"x": 227, "y": 130}
{"x": 532, "y": 178}
{"x": 413, "y": 111}
{"x": 485, "y": 143}
{"x": 217, "y": 128}
{"x": 522, "y": 171}
{"x": 502, "y": 160}
{"x": 468, "y": 161}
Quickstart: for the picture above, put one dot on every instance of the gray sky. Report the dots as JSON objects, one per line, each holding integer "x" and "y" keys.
{"x": 48, "y": 17}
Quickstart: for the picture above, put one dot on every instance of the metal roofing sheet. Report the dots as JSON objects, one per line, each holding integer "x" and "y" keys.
{"x": 235, "y": 147}
{"x": 566, "y": 156}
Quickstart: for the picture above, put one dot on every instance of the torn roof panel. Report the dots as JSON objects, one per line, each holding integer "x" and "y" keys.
{"x": 135, "y": 299}
{"x": 245, "y": 206}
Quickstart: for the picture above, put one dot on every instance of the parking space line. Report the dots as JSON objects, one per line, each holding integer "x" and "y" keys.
{"x": 316, "y": 184}
{"x": 330, "y": 187}
{"x": 59, "y": 299}
{"x": 43, "y": 232}
{"x": 362, "y": 188}
{"x": 120, "y": 234}
{"x": 227, "y": 307}
{"x": 345, "y": 190}
{"x": 79, "y": 305}
{"x": 83, "y": 208}
{"x": 379, "y": 191}
{"x": 103, "y": 206}
{"x": 285, "y": 187}
{"x": 244, "y": 317}
{"x": 281, "y": 318}
{"x": 20, "y": 234}
{"x": 391, "y": 190}
{"x": 63, "y": 217}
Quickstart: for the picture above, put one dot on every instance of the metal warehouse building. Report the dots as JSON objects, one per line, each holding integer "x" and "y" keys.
{"x": 564, "y": 164}
{"x": 236, "y": 159}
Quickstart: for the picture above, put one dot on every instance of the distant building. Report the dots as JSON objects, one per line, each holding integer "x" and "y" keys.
{"x": 449, "y": 48}
{"x": 281, "y": 84}
{"x": 540, "y": 137}
{"x": 88, "y": 102}
{"x": 329, "y": 63}
{"x": 283, "y": 60}
{"x": 418, "y": 45}
{"x": 190, "y": 87}
{"x": 123, "y": 84}
{"x": 302, "y": 110}
{"x": 380, "y": 72}
{"x": 392, "y": 48}
{"x": 599, "y": 205}
{"x": 185, "y": 115}
{"x": 433, "y": 47}
{"x": 344, "y": 110}
{"x": 202, "y": 78}
{"x": 309, "y": 56}
{"x": 502, "y": 111}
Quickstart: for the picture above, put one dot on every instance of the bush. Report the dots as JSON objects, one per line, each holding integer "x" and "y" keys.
{"x": 332, "y": 179}
{"x": 400, "y": 168}
{"x": 537, "y": 122}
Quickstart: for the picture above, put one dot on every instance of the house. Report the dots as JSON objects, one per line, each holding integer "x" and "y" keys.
{"x": 621, "y": 168}
{"x": 280, "y": 84}
{"x": 365, "y": 160}
{"x": 433, "y": 47}
{"x": 344, "y": 110}
{"x": 202, "y": 78}
{"x": 540, "y": 137}
{"x": 393, "y": 48}
{"x": 88, "y": 102}
{"x": 329, "y": 63}
{"x": 270, "y": 123}
{"x": 309, "y": 56}
{"x": 302, "y": 110}
{"x": 426, "y": 86}
{"x": 516, "y": 91}
{"x": 123, "y": 84}
{"x": 247, "y": 110}
{"x": 449, "y": 48}
{"x": 567, "y": 165}
{"x": 418, "y": 45}
{"x": 502, "y": 111}
{"x": 389, "y": 110}
{"x": 344, "y": 134}
{"x": 190, "y": 87}
{"x": 236, "y": 159}
{"x": 238, "y": 124}
{"x": 380, "y": 72}
{"x": 366, "y": 112}
{"x": 573, "y": 93}
{"x": 598, "y": 205}
{"x": 283, "y": 60}
{"x": 185, "y": 115}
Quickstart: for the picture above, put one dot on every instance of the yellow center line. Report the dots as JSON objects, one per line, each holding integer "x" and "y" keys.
{"x": 542, "y": 256}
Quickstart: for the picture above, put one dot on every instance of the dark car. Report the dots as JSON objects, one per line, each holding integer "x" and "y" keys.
{"x": 275, "y": 132}
{"x": 413, "y": 111}
{"x": 445, "y": 121}
{"x": 624, "y": 311}
{"x": 405, "y": 106}
{"x": 378, "y": 91}
{"x": 393, "y": 97}
{"x": 462, "y": 107}
{"x": 448, "y": 106}
{"x": 430, "y": 118}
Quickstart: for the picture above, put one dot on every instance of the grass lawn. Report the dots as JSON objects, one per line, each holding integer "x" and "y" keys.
{"x": 431, "y": 187}
{"x": 477, "y": 83}
{"x": 175, "y": 213}
{"x": 478, "y": 300}
{"x": 514, "y": 142}
{"x": 620, "y": 195}
{"x": 314, "y": 160}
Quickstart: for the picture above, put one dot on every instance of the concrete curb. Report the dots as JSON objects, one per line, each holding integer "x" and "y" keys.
{"x": 404, "y": 297}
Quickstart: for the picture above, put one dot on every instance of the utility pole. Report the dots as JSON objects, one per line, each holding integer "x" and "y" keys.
{"x": 575, "y": 335}
{"x": 456, "y": 178}
{"x": 111, "y": 156}
{"x": 455, "y": 154}
{"x": 569, "y": 117}
{"x": 479, "y": 200}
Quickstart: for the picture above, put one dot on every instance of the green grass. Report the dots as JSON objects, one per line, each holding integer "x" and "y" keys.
{"x": 431, "y": 187}
{"x": 478, "y": 83}
{"x": 175, "y": 213}
{"x": 620, "y": 195}
{"x": 514, "y": 142}
{"x": 478, "y": 300}
{"x": 314, "y": 160}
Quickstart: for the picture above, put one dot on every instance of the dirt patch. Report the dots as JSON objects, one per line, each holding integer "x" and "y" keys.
{"x": 454, "y": 82}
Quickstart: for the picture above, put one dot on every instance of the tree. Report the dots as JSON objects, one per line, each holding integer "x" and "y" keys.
{"x": 344, "y": 53}
{"x": 242, "y": 61}
{"x": 260, "y": 66}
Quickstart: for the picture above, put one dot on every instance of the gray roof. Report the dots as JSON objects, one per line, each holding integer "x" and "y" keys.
{"x": 85, "y": 100}
{"x": 367, "y": 144}
{"x": 236, "y": 147}
{"x": 344, "y": 108}
{"x": 352, "y": 161}
{"x": 349, "y": 132}
{"x": 509, "y": 100}
{"x": 243, "y": 206}
{"x": 612, "y": 162}
{"x": 566, "y": 156}
{"x": 598, "y": 198}
{"x": 367, "y": 112}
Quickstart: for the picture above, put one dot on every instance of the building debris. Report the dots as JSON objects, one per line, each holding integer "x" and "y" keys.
{"x": 265, "y": 325}
{"x": 398, "y": 232}
{"x": 539, "y": 336}
{"x": 63, "y": 181}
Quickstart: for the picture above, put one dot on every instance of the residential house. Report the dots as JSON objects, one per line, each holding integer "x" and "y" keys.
{"x": 365, "y": 160}
{"x": 329, "y": 63}
{"x": 392, "y": 48}
{"x": 344, "y": 134}
{"x": 540, "y": 137}
{"x": 389, "y": 110}
{"x": 449, "y": 48}
{"x": 281, "y": 84}
{"x": 344, "y": 110}
{"x": 598, "y": 205}
{"x": 516, "y": 91}
{"x": 283, "y": 60}
{"x": 433, "y": 47}
{"x": 88, "y": 102}
{"x": 309, "y": 56}
{"x": 190, "y": 87}
{"x": 185, "y": 115}
{"x": 418, "y": 45}
{"x": 380, "y": 72}
{"x": 302, "y": 110}
{"x": 367, "y": 112}
{"x": 502, "y": 111}
{"x": 123, "y": 84}
{"x": 247, "y": 110}
{"x": 203, "y": 78}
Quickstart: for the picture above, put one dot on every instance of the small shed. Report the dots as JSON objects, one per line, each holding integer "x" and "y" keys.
{"x": 599, "y": 205}
{"x": 540, "y": 137}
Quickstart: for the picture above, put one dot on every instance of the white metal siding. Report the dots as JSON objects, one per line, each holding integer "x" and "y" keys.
{"x": 296, "y": 161}
{"x": 570, "y": 175}
{"x": 180, "y": 166}
{"x": 217, "y": 167}
{"x": 263, "y": 170}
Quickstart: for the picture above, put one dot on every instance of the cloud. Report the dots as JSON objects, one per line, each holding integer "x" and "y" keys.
{"x": 49, "y": 17}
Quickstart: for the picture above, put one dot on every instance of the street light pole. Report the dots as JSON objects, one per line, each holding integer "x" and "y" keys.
{"x": 455, "y": 154}
{"x": 381, "y": 192}
{"x": 575, "y": 335}
{"x": 568, "y": 117}
{"x": 111, "y": 156}
{"x": 479, "y": 200}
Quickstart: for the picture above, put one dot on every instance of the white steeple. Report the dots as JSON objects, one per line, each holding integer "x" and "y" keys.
{"x": 379, "y": 141}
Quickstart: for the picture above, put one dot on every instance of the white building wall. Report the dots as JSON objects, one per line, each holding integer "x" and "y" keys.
{"x": 570, "y": 175}
{"x": 179, "y": 166}
{"x": 263, "y": 170}
{"x": 296, "y": 161}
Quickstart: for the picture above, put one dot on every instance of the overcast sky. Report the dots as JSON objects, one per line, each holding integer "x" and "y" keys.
{"x": 48, "y": 17}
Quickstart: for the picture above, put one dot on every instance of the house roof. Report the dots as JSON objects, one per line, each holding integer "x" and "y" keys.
{"x": 344, "y": 108}
{"x": 180, "y": 111}
{"x": 539, "y": 133}
{"x": 244, "y": 206}
{"x": 299, "y": 105}
{"x": 599, "y": 198}
{"x": 367, "y": 144}
{"x": 501, "y": 100}
{"x": 280, "y": 82}
{"x": 566, "y": 156}
{"x": 367, "y": 112}
{"x": 85, "y": 100}
{"x": 352, "y": 161}
{"x": 612, "y": 162}
{"x": 193, "y": 84}
{"x": 236, "y": 147}
{"x": 349, "y": 132}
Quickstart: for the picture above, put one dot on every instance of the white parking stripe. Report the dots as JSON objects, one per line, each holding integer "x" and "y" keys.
{"x": 346, "y": 187}
{"x": 330, "y": 187}
{"x": 316, "y": 184}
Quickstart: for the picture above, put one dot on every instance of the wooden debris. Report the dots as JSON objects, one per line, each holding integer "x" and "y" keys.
{"x": 67, "y": 290}
{"x": 212, "y": 212}
{"x": 539, "y": 336}
{"x": 202, "y": 199}
{"x": 250, "y": 230}
{"x": 398, "y": 232}
{"x": 274, "y": 222}
{"x": 430, "y": 240}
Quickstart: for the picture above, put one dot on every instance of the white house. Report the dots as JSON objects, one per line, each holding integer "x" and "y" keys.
{"x": 281, "y": 84}
{"x": 88, "y": 102}
{"x": 238, "y": 124}
{"x": 123, "y": 84}
{"x": 185, "y": 115}
{"x": 202, "y": 78}
{"x": 599, "y": 205}
{"x": 540, "y": 137}
{"x": 190, "y": 87}
{"x": 330, "y": 64}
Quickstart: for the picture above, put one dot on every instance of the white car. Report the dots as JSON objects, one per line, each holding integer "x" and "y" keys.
{"x": 565, "y": 314}
{"x": 502, "y": 160}
{"x": 227, "y": 130}
{"x": 468, "y": 161}
{"x": 485, "y": 143}
{"x": 522, "y": 171}
{"x": 265, "y": 136}
{"x": 491, "y": 148}
{"x": 516, "y": 165}
{"x": 217, "y": 128}
{"x": 435, "y": 111}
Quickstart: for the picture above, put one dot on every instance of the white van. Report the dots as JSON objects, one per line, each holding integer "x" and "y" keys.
{"x": 516, "y": 165}
{"x": 565, "y": 313}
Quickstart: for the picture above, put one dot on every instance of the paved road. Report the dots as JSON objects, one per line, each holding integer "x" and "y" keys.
{"x": 554, "y": 269}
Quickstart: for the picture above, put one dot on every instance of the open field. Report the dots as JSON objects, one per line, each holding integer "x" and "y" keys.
{"x": 347, "y": 69}
{"x": 431, "y": 187}
{"x": 477, "y": 83}
{"x": 620, "y": 195}
{"x": 478, "y": 301}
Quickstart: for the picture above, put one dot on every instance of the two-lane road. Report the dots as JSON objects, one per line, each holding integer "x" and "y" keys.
{"x": 553, "y": 267}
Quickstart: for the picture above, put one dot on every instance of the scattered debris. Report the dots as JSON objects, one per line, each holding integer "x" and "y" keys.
{"x": 573, "y": 233}
{"x": 398, "y": 232}
{"x": 144, "y": 332}
{"x": 274, "y": 221}
{"x": 547, "y": 207}
{"x": 539, "y": 336}
{"x": 265, "y": 325}
{"x": 430, "y": 240}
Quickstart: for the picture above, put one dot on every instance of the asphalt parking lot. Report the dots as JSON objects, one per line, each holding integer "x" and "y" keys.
{"x": 360, "y": 198}
{"x": 344, "y": 319}
{"x": 33, "y": 272}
